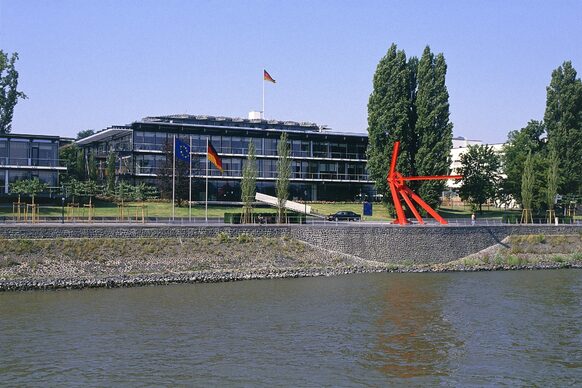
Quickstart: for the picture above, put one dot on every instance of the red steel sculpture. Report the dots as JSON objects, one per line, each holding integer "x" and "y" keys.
{"x": 398, "y": 186}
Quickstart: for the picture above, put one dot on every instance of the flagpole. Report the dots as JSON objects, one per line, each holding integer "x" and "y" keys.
{"x": 190, "y": 182}
{"x": 207, "y": 179}
{"x": 263, "y": 111}
{"x": 174, "y": 180}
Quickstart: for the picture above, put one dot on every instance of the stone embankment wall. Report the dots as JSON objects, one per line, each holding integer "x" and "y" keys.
{"x": 384, "y": 243}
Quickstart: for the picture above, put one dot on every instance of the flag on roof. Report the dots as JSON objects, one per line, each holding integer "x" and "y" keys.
{"x": 267, "y": 77}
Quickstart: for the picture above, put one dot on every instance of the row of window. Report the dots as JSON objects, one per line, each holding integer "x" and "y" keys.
{"x": 266, "y": 168}
{"x": 9, "y": 176}
{"x": 23, "y": 152}
{"x": 160, "y": 141}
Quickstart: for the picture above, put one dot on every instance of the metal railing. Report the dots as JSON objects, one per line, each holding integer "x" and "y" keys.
{"x": 30, "y": 162}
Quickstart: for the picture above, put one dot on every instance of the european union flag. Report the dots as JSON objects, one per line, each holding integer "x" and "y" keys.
{"x": 182, "y": 150}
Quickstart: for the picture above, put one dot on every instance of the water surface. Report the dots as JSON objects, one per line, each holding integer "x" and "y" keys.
{"x": 514, "y": 328}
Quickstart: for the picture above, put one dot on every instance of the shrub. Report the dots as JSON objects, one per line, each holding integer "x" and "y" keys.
{"x": 223, "y": 237}
{"x": 244, "y": 238}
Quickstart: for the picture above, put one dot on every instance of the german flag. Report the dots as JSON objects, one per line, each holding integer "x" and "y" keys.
{"x": 213, "y": 157}
{"x": 267, "y": 77}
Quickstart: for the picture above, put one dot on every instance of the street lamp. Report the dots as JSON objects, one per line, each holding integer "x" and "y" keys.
{"x": 62, "y": 204}
{"x": 305, "y": 201}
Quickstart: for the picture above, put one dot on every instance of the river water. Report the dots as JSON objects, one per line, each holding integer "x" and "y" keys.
{"x": 452, "y": 329}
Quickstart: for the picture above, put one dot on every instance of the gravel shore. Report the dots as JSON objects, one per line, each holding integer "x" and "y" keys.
{"x": 109, "y": 263}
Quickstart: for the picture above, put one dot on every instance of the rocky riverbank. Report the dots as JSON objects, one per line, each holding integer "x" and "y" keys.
{"x": 27, "y": 264}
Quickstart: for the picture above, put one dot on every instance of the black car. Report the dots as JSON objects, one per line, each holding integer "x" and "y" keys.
{"x": 344, "y": 216}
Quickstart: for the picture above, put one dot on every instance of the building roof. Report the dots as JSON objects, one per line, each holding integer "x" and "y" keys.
{"x": 106, "y": 133}
{"x": 34, "y": 136}
{"x": 223, "y": 121}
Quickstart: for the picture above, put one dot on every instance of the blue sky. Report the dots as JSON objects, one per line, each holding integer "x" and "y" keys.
{"x": 92, "y": 64}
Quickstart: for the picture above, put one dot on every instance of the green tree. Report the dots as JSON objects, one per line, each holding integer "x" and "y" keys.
{"x": 90, "y": 189}
{"x": 410, "y": 103}
{"x": 249, "y": 184}
{"x": 390, "y": 112}
{"x": 32, "y": 187}
{"x": 18, "y": 187}
{"x": 433, "y": 129}
{"x": 552, "y": 182}
{"x": 520, "y": 144}
{"x": 563, "y": 118}
{"x": 283, "y": 176}
{"x": 69, "y": 156}
{"x": 480, "y": 170}
{"x": 110, "y": 172}
{"x": 85, "y": 133}
{"x": 9, "y": 94}
{"x": 527, "y": 183}
{"x": 74, "y": 188}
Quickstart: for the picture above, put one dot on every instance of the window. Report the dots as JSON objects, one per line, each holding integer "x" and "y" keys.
{"x": 270, "y": 146}
{"x": 235, "y": 145}
{"x": 19, "y": 153}
{"x": 320, "y": 150}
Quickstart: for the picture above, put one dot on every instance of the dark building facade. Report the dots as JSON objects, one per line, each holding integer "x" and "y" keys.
{"x": 325, "y": 165}
{"x": 29, "y": 156}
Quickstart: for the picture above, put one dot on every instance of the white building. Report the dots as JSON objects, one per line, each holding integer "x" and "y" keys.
{"x": 460, "y": 145}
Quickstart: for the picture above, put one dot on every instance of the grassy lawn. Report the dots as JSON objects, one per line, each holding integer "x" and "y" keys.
{"x": 465, "y": 212}
{"x": 164, "y": 209}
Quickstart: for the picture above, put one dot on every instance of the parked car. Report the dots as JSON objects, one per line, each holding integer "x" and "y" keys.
{"x": 344, "y": 216}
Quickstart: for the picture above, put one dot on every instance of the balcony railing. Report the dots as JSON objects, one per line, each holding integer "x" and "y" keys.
{"x": 237, "y": 174}
{"x": 30, "y": 162}
{"x": 243, "y": 151}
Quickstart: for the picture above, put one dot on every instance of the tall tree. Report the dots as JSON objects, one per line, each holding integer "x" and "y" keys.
{"x": 9, "y": 94}
{"x": 410, "y": 103}
{"x": 283, "y": 176}
{"x": 110, "y": 173}
{"x": 480, "y": 169}
{"x": 71, "y": 157}
{"x": 433, "y": 129}
{"x": 249, "y": 184}
{"x": 389, "y": 117}
{"x": 527, "y": 183}
{"x": 85, "y": 133}
{"x": 529, "y": 139}
{"x": 552, "y": 181}
{"x": 563, "y": 118}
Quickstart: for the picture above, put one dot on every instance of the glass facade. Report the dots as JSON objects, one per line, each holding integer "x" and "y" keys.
{"x": 325, "y": 166}
{"x": 27, "y": 157}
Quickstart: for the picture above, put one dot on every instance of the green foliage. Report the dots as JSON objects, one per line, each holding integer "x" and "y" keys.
{"x": 563, "y": 118}
{"x": 283, "y": 176}
{"x": 74, "y": 188}
{"x": 409, "y": 103}
{"x": 72, "y": 158}
{"x": 529, "y": 139}
{"x": 110, "y": 172}
{"x": 223, "y": 237}
{"x": 249, "y": 184}
{"x": 480, "y": 169}
{"x": 390, "y": 117}
{"x": 32, "y": 187}
{"x": 124, "y": 192}
{"x": 244, "y": 238}
{"x": 552, "y": 179}
{"x": 90, "y": 189}
{"x": 9, "y": 94}
{"x": 85, "y": 133}
{"x": 433, "y": 128}
{"x": 527, "y": 183}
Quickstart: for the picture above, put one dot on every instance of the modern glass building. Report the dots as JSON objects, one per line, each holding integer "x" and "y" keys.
{"x": 29, "y": 156}
{"x": 326, "y": 165}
